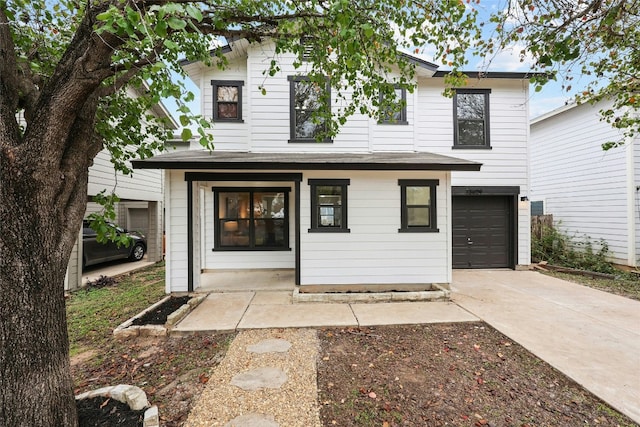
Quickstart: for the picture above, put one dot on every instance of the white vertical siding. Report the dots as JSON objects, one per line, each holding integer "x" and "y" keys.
{"x": 584, "y": 187}
{"x": 176, "y": 223}
{"x": 141, "y": 185}
{"x": 506, "y": 163}
{"x": 374, "y": 252}
{"x": 636, "y": 197}
{"x": 233, "y": 136}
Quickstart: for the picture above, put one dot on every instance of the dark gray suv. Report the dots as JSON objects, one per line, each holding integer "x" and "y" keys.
{"x": 94, "y": 252}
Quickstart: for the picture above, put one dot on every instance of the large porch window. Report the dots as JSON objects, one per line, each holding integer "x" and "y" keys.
{"x": 251, "y": 218}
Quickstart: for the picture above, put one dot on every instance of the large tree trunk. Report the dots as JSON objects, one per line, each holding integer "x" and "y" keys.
{"x": 42, "y": 203}
{"x": 43, "y": 197}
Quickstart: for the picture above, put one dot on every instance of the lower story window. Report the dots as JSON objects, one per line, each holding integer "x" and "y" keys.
{"x": 329, "y": 205}
{"x": 251, "y": 219}
{"x": 418, "y": 205}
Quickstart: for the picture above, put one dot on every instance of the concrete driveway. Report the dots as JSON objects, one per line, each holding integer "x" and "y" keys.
{"x": 591, "y": 336}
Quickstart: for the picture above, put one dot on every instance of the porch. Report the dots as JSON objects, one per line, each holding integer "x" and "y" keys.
{"x": 282, "y": 279}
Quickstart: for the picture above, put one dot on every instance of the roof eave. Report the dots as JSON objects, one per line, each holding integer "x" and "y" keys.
{"x": 199, "y": 165}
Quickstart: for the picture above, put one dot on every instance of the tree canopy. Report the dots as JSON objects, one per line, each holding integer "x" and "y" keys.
{"x": 597, "y": 41}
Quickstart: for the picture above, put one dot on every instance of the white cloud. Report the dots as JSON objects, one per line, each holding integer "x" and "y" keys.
{"x": 510, "y": 58}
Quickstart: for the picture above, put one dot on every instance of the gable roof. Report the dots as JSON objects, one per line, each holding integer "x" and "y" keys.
{"x": 492, "y": 74}
{"x": 229, "y": 47}
{"x": 202, "y": 159}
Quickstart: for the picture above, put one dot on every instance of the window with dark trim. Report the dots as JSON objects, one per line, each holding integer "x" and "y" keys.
{"x": 471, "y": 118}
{"x": 306, "y": 48}
{"x": 251, "y": 218}
{"x": 329, "y": 205}
{"x": 396, "y": 115}
{"x": 418, "y": 205}
{"x": 305, "y": 101}
{"x": 227, "y": 100}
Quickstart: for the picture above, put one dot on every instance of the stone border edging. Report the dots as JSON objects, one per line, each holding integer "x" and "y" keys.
{"x": 131, "y": 395}
{"x": 128, "y": 330}
{"x": 441, "y": 294}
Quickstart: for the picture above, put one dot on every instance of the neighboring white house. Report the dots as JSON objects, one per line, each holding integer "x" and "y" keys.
{"x": 140, "y": 207}
{"x": 588, "y": 191}
{"x": 381, "y": 206}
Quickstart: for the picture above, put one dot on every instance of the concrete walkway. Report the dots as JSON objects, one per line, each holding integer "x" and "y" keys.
{"x": 591, "y": 336}
{"x": 274, "y": 309}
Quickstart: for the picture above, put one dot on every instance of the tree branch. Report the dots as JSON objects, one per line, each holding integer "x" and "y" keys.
{"x": 123, "y": 79}
{"x": 10, "y": 86}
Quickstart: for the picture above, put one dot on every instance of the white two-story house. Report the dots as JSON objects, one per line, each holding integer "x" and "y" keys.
{"x": 385, "y": 205}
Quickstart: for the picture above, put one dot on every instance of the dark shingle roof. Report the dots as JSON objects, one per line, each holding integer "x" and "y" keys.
{"x": 202, "y": 159}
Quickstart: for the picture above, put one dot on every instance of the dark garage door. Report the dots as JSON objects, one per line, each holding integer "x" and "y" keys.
{"x": 482, "y": 233}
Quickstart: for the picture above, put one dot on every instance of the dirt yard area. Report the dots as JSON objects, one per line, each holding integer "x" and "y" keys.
{"x": 465, "y": 374}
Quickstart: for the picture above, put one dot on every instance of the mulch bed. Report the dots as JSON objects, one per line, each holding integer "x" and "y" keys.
{"x": 158, "y": 316}
{"x": 106, "y": 412}
{"x": 465, "y": 374}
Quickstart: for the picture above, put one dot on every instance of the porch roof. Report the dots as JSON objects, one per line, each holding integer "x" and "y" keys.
{"x": 234, "y": 160}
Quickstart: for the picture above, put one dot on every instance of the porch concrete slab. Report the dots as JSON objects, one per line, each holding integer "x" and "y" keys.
{"x": 244, "y": 280}
{"x": 408, "y": 313}
{"x": 272, "y": 297}
{"x": 591, "y": 336}
{"x": 297, "y": 316}
{"x": 218, "y": 312}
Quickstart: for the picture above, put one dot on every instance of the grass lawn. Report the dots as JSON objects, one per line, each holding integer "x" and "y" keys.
{"x": 172, "y": 371}
{"x": 93, "y": 313}
{"x": 625, "y": 284}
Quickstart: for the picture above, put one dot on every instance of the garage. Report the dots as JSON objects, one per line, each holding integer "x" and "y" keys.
{"x": 483, "y": 230}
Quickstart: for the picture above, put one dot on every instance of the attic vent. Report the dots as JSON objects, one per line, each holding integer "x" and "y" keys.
{"x": 306, "y": 43}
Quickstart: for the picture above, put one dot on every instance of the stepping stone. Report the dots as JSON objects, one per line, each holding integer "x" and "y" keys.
{"x": 253, "y": 420}
{"x": 270, "y": 346}
{"x": 260, "y": 378}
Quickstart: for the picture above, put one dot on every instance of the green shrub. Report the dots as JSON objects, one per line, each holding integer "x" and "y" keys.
{"x": 557, "y": 248}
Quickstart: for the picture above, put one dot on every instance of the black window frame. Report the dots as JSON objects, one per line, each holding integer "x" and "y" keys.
{"x": 218, "y": 246}
{"x": 233, "y": 83}
{"x": 404, "y": 208}
{"x": 315, "y": 215}
{"x": 306, "y": 47}
{"x": 403, "y": 112}
{"x": 486, "y": 119}
{"x": 292, "y": 110}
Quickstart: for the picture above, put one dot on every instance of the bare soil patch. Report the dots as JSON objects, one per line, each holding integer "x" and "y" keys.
{"x": 102, "y": 411}
{"x": 172, "y": 371}
{"x": 158, "y": 316}
{"x": 464, "y": 374}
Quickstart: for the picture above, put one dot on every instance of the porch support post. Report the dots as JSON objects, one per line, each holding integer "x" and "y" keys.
{"x": 297, "y": 229}
{"x": 190, "y": 236}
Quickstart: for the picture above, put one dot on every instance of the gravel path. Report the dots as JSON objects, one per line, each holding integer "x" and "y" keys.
{"x": 263, "y": 381}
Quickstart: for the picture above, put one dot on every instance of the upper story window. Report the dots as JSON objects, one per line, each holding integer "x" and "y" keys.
{"x": 396, "y": 115}
{"x": 471, "y": 118}
{"x": 306, "y": 48}
{"x": 306, "y": 100}
{"x": 227, "y": 100}
{"x": 329, "y": 205}
{"x": 418, "y": 205}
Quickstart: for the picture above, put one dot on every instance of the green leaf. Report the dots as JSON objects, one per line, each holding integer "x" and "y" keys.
{"x": 104, "y": 16}
{"x": 194, "y": 12}
{"x": 186, "y": 134}
{"x": 177, "y": 23}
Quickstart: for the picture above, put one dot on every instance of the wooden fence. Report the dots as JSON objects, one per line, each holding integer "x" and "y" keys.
{"x": 539, "y": 223}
